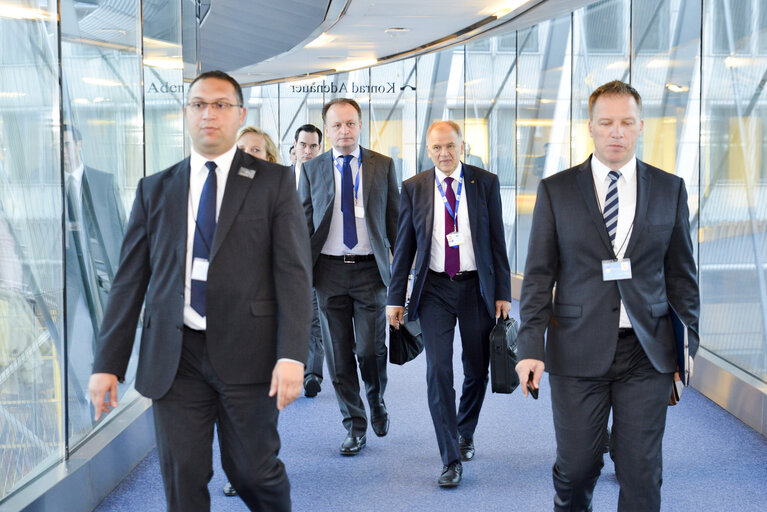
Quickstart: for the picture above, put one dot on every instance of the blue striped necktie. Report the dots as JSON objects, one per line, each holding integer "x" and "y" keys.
{"x": 610, "y": 212}
{"x": 205, "y": 228}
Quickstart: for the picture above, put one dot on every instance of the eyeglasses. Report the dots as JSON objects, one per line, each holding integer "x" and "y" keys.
{"x": 216, "y": 106}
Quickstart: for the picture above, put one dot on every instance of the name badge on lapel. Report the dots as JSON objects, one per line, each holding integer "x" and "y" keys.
{"x": 248, "y": 173}
{"x": 616, "y": 270}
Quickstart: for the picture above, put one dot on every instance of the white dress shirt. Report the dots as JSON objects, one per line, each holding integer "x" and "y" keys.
{"x": 334, "y": 245}
{"x": 197, "y": 177}
{"x": 466, "y": 250}
{"x": 627, "y": 200}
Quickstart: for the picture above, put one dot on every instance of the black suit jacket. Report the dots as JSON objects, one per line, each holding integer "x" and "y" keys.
{"x": 483, "y": 199}
{"x": 257, "y": 300}
{"x": 380, "y": 195}
{"x": 568, "y": 241}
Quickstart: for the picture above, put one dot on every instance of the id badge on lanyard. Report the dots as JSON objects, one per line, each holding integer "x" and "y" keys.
{"x": 456, "y": 238}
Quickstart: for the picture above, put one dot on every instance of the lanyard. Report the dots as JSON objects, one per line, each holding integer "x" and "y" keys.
{"x": 453, "y": 214}
{"x": 340, "y": 169}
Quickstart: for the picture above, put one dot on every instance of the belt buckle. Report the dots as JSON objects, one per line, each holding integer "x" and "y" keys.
{"x": 349, "y": 258}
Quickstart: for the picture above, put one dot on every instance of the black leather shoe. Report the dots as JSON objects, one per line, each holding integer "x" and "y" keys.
{"x": 229, "y": 490}
{"x": 311, "y": 386}
{"x": 451, "y": 475}
{"x": 379, "y": 420}
{"x": 467, "y": 448}
{"x": 352, "y": 445}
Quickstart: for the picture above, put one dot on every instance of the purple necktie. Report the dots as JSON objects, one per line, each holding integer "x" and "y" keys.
{"x": 452, "y": 257}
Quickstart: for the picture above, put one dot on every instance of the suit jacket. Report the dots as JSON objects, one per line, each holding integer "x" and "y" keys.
{"x": 257, "y": 300}
{"x": 381, "y": 202}
{"x": 483, "y": 199}
{"x": 568, "y": 241}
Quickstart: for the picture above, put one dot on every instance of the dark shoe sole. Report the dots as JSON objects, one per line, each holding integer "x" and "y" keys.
{"x": 448, "y": 485}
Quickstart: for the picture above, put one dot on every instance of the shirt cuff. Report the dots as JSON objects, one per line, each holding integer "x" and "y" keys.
{"x": 291, "y": 360}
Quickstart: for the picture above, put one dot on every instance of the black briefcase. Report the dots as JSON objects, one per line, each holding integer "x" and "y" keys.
{"x": 406, "y": 342}
{"x": 503, "y": 355}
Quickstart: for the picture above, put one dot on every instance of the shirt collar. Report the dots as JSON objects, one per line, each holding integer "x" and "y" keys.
{"x": 600, "y": 170}
{"x": 455, "y": 174}
{"x": 356, "y": 154}
{"x": 223, "y": 161}
{"x": 77, "y": 173}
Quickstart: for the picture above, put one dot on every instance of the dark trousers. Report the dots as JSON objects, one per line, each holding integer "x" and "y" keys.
{"x": 246, "y": 418}
{"x": 442, "y": 302}
{"x": 352, "y": 300}
{"x": 638, "y": 396}
{"x": 316, "y": 352}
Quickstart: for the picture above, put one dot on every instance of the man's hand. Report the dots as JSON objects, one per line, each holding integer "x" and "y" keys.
{"x": 287, "y": 380}
{"x": 395, "y": 314}
{"x": 99, "y": 385}
{"x": 502, "y": 306}
{"x": 524, "y": 367}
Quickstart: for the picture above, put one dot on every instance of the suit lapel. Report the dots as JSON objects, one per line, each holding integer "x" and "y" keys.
{"x": 585, "y": 182}
{"x": 368, "y": 172}
{"x": 176, "y": 194}
{"x": 327, "y": 177}
{"x": 644, "y": 182}
{"x": 470, "y": 189}
{"x": 427, "y": 190}
{"x": 234, "y": 194}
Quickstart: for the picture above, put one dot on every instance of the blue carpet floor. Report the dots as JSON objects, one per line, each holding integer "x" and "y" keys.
{"x": 712, "y": 461}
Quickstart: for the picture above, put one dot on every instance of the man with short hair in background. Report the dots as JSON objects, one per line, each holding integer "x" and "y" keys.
{"x": 351, "y": 200}
{"x": 613, "y": 235}
{"x": 307, "y": 145}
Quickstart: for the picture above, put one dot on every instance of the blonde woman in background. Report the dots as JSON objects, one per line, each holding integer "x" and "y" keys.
{"x": 258, "y": 143}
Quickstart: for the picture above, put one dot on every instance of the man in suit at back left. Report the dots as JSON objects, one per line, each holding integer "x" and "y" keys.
{"x": 351, "y": 200}
{"x": 451, "y": 218}
{"x": 217, "y": 246}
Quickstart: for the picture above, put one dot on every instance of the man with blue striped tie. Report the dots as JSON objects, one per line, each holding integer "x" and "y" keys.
{"x": 613, "y": 235}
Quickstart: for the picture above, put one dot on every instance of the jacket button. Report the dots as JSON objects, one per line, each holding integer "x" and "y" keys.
{"x": 616, "y": 310}
{"x": 178, "y": 327}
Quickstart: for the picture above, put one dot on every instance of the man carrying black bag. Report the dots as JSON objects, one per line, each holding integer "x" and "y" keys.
{"x": 451, "y": 217}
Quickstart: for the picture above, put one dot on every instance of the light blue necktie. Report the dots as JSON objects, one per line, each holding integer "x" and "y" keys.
{"x": 205, "y": 228}
{"x": 610, "y": 212}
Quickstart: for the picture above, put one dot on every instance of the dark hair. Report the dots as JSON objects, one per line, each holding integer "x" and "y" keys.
{"x": 309, "y": 128}
{"x": 614, "y": 88}
{"x": 221, "y": 76}
{"x": 76, "y": 135}
{"x": 338, "y": 101}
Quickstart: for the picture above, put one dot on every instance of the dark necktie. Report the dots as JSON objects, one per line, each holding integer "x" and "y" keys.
{"x": 204, "y": 230}
{"x": 610, "y": 212}
{"x": 452, "y": 256}
{"x": 347, "y": 204}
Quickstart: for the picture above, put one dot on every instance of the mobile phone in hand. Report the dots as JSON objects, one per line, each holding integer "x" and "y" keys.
{"x": 533, "y": 391}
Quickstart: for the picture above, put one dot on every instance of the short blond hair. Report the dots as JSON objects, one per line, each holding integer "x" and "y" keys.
{"x": 451, "y": 124}
{"x": 271, "y": 147}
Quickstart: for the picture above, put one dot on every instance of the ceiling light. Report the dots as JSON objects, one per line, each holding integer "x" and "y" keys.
{"x": 356, "y": 64}
{"x": 738, "y": 62}
{"x": 395, "y": 31}
{"x": 164, "y": 62}
{"x": 25, "y": 13}
{"x": 676, "y": 87}
{"x": 308, "y": 80}
{"x": 101, "y": 81}
{"x": 501, "y": 9}
{"x": 12, "y": 94}
{"x": 322, "y": 40}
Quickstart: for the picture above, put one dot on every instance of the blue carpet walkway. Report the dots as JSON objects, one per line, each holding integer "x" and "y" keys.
{"x": 712, "y": 461}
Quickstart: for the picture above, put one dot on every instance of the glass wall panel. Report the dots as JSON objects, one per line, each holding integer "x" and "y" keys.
{"x": 490, "y": 85}
{"x": 32, "y": 362}
{"x": 543, "y": 115}
{"x": 103, "y": 158}
{"x": 163, "y": 84}
{"x": 733, "y": 193}
{"x": 392, "y": 114}
{"x": 593, "y": 67}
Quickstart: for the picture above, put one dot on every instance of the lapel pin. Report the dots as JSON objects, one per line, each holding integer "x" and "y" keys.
{"x": 248, "y": 173}
{"x": 472, "y": 181}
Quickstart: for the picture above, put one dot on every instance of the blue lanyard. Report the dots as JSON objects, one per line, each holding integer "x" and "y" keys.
{"x": 453, "y": 214}
{"x": 340, "y": 169}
